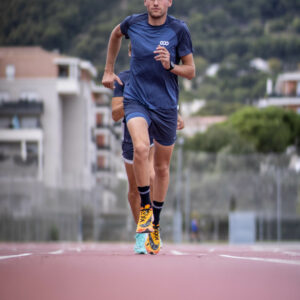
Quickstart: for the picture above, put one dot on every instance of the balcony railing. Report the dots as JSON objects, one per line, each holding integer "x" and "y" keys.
{"x": 21, "y": 107}
{"x": 103, "y": 169}
{"x": 103, "y": 147}
{"x": 103, "y": 126}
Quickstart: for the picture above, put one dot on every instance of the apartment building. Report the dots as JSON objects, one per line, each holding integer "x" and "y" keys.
{"x": 107, "y": 138}
{"x": 286, "y": 92}
{"x": 55, "y": 122}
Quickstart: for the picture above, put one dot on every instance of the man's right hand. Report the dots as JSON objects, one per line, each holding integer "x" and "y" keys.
{"x": 109, "y": 78}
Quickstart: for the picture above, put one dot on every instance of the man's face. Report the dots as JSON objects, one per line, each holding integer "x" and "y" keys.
{"x": 157, "y": 8}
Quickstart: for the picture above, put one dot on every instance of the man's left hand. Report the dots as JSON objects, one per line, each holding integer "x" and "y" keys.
{"x": 163, "y": 55}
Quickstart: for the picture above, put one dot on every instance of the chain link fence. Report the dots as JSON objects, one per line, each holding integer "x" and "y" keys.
{"x": 205, "y": 190}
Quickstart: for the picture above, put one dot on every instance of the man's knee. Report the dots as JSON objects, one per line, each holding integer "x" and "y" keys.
{"x": 161, "y": 170}
{"x": 141, "y": 151}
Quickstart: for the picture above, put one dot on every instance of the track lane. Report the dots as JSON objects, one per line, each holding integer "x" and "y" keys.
{"x": 111, "y": 271}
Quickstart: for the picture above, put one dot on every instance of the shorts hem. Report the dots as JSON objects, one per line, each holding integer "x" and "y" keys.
{"x": 128, "y": 161}
{"x": 136, "y": 115}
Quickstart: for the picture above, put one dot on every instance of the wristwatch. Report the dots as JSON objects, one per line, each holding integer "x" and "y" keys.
{"x": 172, "y": 66}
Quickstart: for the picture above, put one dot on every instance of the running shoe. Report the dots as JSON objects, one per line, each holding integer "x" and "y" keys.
{"x": 145, "y": 220}
{"x": 139, "y": 247}
{"x": 153, "y": 241}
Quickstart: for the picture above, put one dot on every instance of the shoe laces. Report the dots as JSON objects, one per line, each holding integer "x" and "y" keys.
{"x": 144, "y": 213}
{"x": 156, "y": 233}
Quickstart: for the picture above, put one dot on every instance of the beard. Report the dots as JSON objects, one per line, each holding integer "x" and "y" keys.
{"x": 156, "y": 14}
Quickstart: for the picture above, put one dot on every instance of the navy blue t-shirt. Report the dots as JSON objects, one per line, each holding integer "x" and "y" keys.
{"x": 149, "y": 83}
{"x": 118, "y": 92}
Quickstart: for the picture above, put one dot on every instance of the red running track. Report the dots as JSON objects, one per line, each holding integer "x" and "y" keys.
{"x": 72, "y": 271}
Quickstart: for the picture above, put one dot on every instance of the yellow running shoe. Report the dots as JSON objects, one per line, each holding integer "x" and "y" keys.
{"x": 153, "y": 241}
{"x": 145, "y": 220}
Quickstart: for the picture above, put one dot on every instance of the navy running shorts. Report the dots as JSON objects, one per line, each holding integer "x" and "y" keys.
{"x": 162, "y": 123}
{"x": 127, "y": 146}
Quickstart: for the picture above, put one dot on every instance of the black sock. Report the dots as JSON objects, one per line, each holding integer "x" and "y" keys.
{"x": 145, "y": 195}
{"x": 157, "y": 207}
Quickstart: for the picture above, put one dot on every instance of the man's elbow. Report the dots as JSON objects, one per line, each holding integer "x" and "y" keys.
{"x": 191, "y": 74}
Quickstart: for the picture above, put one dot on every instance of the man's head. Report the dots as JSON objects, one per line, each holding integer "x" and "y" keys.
{"x": 157, "y": 8}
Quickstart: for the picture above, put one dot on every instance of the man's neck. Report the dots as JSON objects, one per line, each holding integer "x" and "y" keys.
{"x": 157, "y": 21}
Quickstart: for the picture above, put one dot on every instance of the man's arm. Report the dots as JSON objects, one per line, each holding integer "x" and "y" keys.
{"x": 186, "y": 70}
{"x": 114, "y": 45}
{"x": 117, "y": 108}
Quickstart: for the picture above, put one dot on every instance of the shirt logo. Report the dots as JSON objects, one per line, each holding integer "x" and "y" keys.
{"x": 164, "y": 43}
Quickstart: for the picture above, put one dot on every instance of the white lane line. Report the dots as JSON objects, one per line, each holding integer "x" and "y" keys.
{"x": 14, "y": 256}
{"x": 56, "y": 252}
{"x": 175, "y": 252}
{"x": 77, "y": 249}
{"x": 291, "y": 253}
{"x": 271, "y": 260}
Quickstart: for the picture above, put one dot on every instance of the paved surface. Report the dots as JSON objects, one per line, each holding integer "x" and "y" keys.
{"x": 71, "y": 271}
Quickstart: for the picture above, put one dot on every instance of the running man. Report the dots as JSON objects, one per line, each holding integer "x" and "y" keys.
{"x": 159, "y": 43}
{"x": 127, "y": 153}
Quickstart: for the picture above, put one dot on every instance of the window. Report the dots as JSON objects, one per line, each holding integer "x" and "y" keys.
{"x": 63, "y": 71}
{"x": 99, "y": 120}
{"x": 10, "y": 72}
{"x": 101, "y": 162}
{"x": 100, "y": 141}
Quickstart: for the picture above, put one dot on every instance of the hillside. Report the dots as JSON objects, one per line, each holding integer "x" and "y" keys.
{"x": 228, "y": 32}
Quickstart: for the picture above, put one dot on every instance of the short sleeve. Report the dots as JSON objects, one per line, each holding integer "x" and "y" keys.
{"x": 185, "y": 46}
{"x": 125, "y": 26}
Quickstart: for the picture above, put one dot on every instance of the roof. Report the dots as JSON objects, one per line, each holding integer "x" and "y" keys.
{"x": 28, "y": 61}
{"x": 34, "y": 61}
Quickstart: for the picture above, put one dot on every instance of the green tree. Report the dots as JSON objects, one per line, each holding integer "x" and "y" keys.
{"x": 219, "y": 137}
{"x": 270, "y": 130}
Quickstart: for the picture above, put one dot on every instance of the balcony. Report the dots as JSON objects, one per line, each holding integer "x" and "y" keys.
{"x": 104, "y": 169}
{"x": 67, "y": 86}
{"x": 101, "y": 125}
{"x": 17, "y": 135}
{"x": 68, "y": 76}
{"x": 21, "y": 107}
{"x": 103, "y": 147}
{"x": 281, "y": 101}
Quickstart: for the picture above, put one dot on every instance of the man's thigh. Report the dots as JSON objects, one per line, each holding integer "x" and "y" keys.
{"x": 138, "y": 128}
{"x": 138, "y": 122}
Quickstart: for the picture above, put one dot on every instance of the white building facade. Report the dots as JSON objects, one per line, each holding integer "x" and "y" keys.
{"x": 48, "y": 107}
